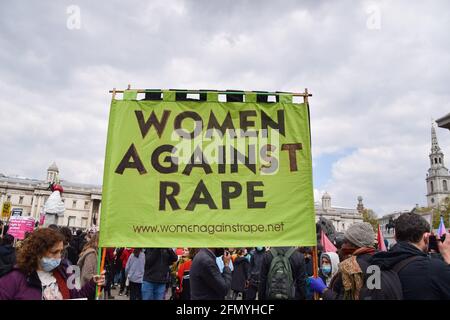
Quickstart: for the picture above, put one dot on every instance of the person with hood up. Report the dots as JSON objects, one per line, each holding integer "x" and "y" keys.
{"x": 7, "y": 254}
{"x": 355, "y": 254}
{"x": 422, "y": 278}
{"x": 329, "y": 266}
{"x": 241, "y": 274}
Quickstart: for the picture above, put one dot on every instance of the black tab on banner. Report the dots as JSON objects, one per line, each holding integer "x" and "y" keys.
{"x": 235, "y": 97}
{"x": 153, "y": 95}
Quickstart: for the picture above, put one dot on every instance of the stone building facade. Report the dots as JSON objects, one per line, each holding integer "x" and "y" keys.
{"x": 341, "y": 217}
{"x": 82, "y": 201}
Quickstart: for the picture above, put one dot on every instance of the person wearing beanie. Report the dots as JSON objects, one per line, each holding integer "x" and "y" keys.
{"x": 355, "y": 255}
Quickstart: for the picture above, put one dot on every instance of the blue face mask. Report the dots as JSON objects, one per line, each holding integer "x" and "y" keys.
{"x": 48, "y": 264}
{"x": 326, "y": 269}
{"x": 259, "y": 248}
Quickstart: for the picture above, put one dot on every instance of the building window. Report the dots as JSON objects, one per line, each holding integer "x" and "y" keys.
{"x": 74, "y": 204}
{"x": 71, "y": 221}
{"x": 445, "y": 185}
{"x": 440, "y": 160}
{"x": 8, "y": 198}
{"x": 84, "y": 222}
{"x": 435, "y": 160}
{"x": 432, "y": 186}
{"x": 86, "y": 205}
{"x": 21, "y": 200}
{"x": 432, "y": 200}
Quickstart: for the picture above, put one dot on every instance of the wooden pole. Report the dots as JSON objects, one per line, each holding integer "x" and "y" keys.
{"x": 315, "y": 268}
{"x": 100, "y": 268}
{"x": 102, "y": 251}
{"x": 305, "y": 94}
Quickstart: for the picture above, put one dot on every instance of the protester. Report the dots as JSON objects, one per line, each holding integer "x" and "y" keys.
{"x": 208, "y": 281}
{"x": 241, "y": 274}
{"x": 280, "y": 280}
{"x": 183, "y": 255}
{"x": 78, "y": 242}
{"x": 257, "y": 257}
{"x": 134, "y": 270}
{"x": 88, "y": 260}
{"x": 156, "y": 274}
{"x": 39, "y": 275}
{"x": 355, "y": 254}
{"x": 329, "y": 266}
{"x": 109, "y": 272}
{"x": 117, "y": 267}
{"x": 183, "y": 291}
{"x": 220, "y": 252}
{"x": 307, "y": 254}
{"x": 126, "y": 253}
{"x": 7, "y": 254}
{"x": 69, "y": 253}
{"x": 421, "y": 278}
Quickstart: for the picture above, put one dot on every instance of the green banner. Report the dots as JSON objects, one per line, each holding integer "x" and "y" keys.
{"x": 207, "y": 174}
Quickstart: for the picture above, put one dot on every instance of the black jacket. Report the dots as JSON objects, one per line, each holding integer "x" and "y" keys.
{"x": 255, "y": 266}
{"x": 298, "y": 272}
{"x": 157, "y": 263}
{"x": 206, "y": 280}
{"x": 72, "y": 254}
{"x": 422, "y": 279}
{"x": 7, "y": 259}
{"x": 241, "y": 274}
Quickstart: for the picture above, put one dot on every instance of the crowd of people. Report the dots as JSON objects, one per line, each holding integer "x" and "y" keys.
{"x": 412, "y": 269}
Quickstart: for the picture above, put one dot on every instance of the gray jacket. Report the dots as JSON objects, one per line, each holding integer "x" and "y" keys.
{"x": 135, "y": 268}
{"x": 88, "y": 265}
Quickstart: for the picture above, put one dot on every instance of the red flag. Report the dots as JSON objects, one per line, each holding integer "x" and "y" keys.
{"x": 327, "y": 245}
{"x": 380, "y": 238}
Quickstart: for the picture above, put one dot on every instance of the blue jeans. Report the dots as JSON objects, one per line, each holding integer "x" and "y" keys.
{"x": 153, "y": 290}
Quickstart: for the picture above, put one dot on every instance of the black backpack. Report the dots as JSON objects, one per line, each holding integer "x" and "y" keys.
{"x": 280, "y": 280}
{"x": 390, "y": 284}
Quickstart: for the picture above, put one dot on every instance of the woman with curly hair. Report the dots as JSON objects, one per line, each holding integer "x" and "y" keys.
{"x": 39, "y": 274}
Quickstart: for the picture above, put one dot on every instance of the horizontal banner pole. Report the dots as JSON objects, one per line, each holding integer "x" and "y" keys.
{"x": 219, "y": 92}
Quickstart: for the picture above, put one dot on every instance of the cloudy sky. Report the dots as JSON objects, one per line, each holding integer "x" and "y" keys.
{"x": 378, "y": 70}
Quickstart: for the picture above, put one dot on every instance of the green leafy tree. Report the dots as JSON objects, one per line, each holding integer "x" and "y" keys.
{"x": 370, "y": 217}
{"x": 444, "y": 211}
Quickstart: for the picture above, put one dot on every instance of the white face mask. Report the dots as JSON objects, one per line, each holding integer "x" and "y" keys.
{"x": 326, "y": 269}
{"x": 48, "y": 264}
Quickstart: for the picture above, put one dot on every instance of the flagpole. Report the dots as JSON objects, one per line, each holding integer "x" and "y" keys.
{"x": 100, "y": 268}
{"x": 315, "y": 259}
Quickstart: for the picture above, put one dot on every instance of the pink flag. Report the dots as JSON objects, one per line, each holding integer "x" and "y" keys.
{"x": 441, "y": 230}
{"x": 41, "y": 218}
{"x": 381, "y": 244}
{"x": 327, "y": 245}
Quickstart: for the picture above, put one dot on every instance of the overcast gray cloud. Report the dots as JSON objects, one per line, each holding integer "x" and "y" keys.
{"x": 375, "y": 90}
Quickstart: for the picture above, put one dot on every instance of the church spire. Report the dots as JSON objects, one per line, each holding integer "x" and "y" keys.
{"x": 438, "y": 177}
{"x": 434, "y": 141}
